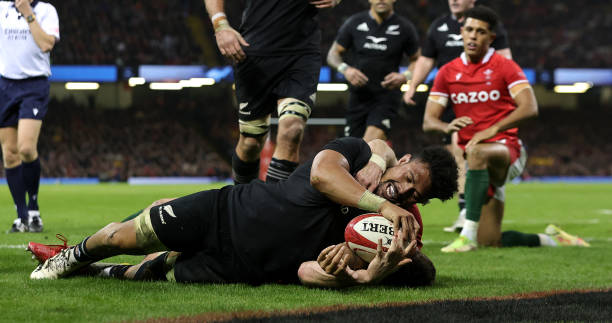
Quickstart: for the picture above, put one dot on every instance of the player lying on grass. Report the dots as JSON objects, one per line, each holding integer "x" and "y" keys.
{"x": 263, "y": 232}
{"x": 490, "y": 96}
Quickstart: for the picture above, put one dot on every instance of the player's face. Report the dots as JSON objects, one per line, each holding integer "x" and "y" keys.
{"x": 477, "y": 37}
{"x": 457, "y": 7}
{"x": 382, "y": 6}
{"x": 406, "y": 183}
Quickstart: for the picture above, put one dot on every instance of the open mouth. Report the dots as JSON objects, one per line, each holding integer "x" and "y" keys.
{"x": 471, "y": 46}
{"x": 390, "y": 192}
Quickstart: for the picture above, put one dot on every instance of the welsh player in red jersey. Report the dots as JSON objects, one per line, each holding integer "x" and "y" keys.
{"x": 491, "y": 97}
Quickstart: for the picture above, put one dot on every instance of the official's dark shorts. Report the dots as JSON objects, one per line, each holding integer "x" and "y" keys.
{"x": 198, "y": 226}
{"x": 262, "y": 80}
{"x": 23, "y": 99}
{"x": 371, "y": 110}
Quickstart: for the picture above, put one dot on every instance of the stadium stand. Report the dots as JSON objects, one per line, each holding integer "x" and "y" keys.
{"x": 170, "y": 32}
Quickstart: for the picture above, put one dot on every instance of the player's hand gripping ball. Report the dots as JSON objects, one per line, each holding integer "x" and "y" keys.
{"x": 363, "y": 232}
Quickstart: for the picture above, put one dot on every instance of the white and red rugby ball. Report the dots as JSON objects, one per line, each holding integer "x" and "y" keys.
{"x": 363, "y": 232}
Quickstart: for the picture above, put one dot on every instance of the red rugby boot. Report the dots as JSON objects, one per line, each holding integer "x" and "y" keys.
{"x": 42, "y": 252}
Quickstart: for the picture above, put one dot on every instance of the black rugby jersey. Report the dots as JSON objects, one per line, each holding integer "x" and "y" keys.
{"x": 444, "y": 42}
{"x": 275, "y": 227}
{"x": 280, "y": 27}
{"x": 377, "y": 50}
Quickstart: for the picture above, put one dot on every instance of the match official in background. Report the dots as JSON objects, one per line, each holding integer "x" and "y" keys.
{"x": 443, "y": 43}
{"x": 377, "y": 40}
{"x": 28, "y": 31}
{"x": 277, "y": 60}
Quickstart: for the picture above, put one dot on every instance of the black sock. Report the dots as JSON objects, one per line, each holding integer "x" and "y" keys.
{"x": 244, "y": 172}
{"x": 14, "y": 179}
{"x": 31, "y": 180}
{"x": 80, "y": 252}
{"x": 279, "y": 170}
{"x": 519, "y": 239}
{"x": 461, "y": 201}
{"x": 118, "y": 271}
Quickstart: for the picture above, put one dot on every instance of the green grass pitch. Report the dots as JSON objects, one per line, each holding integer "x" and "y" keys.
{"x": 77, "y": 211}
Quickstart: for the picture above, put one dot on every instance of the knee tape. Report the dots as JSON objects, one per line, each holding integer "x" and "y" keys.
{"x": 293, "y": 108}
{"x": 255, "y": 128}
{"x": 145, "y": 235}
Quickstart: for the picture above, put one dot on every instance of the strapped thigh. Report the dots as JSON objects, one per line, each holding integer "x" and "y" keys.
{"x": 291, "y": 107}
{"x": 255, "y": 128}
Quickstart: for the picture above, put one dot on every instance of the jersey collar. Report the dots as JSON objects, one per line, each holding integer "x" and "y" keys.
{"x": 384, "y": 20}
{"x": 486, "y": 58}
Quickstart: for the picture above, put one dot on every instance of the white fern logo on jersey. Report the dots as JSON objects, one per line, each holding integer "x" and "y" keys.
{"x": 363, "y": 27}
{"x": 376, "y": 43}
{"x": 443, "y": 28}
{"x": 35, "y": 111}
{"x": 386, "y": 123}
{"x": 169, "y": 210}
{"x": 393, "y": 30}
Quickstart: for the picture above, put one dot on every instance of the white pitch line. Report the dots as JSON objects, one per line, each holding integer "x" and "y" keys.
{"x": 13, "y": 246}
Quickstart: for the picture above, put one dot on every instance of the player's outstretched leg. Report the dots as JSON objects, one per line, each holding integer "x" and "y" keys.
{"x": 132, "y": 237}
{"x": 563, "y": 238}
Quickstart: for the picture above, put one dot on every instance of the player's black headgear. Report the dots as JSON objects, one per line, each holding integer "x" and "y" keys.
{"x": 483, "y": 13}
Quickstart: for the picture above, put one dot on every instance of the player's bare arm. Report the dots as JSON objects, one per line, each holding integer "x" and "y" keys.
{"x": 352, "y": 75}
{"x": 433, "y": 112}
{"x": 382, "y": 158}
{"x": 44, "y": 41}
{"x": 422, "y": 67}
{"x": 330, "y": 176}
{"x": 322, "y": 4}
{"x": 229, "y": 41}
{"x": 527, "y": 108}
{"x": 339, "y": 274}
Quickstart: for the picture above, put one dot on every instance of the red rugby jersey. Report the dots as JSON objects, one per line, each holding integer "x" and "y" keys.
{"x": 480, "y": 91}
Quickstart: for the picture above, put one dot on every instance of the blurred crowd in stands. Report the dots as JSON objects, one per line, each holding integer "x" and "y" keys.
{"x": 543, "y": 33}
{"x": 182, "y": 136}
{"x": 165, "y": 135}
{"x": 152, "y": 138}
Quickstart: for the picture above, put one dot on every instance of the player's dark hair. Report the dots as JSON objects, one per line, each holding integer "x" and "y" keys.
{"x": 483, "y": 13}
{"x": 443, "y": 172}
{"x": 420, "y": 272}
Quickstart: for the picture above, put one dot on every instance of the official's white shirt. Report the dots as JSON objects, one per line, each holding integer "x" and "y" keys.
{"x": 20, "y": 57}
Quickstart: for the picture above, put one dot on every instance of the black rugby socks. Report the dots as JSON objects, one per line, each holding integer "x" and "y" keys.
{"x": 244, "y": 172}
{"x": 279, "y": 170}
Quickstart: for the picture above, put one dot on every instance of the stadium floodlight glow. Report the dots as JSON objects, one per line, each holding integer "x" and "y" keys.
{"x": 165, "y": 86}
{"x": 332, "y": 87}
{"x": 578, "y": 87}
{"x": 420, "y": 88}
{"x": 133, "y": 81}
{"x": 82, "y": 86}
{"x": 197, "y": 82}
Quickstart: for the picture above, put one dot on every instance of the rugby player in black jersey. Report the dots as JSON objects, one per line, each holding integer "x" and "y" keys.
{"x": 374, "y": 43}
{"x": 276, "y": 52}
{"x": 264, "y": 232}
{"x": 443, "y": 43}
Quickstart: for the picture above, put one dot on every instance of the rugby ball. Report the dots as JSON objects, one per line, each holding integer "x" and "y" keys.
{"x": 362, "y": 233}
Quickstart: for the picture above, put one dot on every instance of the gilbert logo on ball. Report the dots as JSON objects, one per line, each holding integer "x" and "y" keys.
{"x": 363, "y": 232}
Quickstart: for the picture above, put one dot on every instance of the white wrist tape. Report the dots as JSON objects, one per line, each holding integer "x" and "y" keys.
{"x": 343, "y": 67}
{"x": 370, "y": 202}
{"x": 378, "y": 160}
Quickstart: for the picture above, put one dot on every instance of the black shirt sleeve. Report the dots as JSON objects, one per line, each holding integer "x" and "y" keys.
{"x": 429, "y": 46}
{"x": 345, "y": 37}
{"x": 501, "y": 38}
{"x": 411, "y": 43}
{"x": 355, "y": 150}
